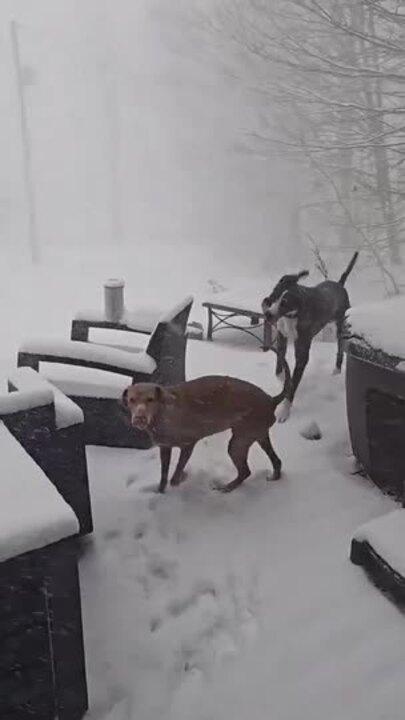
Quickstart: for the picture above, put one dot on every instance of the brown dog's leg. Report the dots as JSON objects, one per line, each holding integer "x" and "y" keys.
{"x": 165, "y": 455}
{"x": 185, "y": 455}
{"x": 238, "y": 449}
{"x": 266, "y": 445}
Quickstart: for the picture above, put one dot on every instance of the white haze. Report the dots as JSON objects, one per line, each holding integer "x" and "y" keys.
{"x": 135, "y": 122}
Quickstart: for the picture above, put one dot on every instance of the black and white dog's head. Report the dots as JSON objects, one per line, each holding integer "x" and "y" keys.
{"x": 284, "y": 300}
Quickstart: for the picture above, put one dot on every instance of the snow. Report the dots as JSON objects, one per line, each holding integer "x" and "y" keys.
{"x": 386, "y": 535}
{"x": 380, "y": 324}
{"x": 205, "y": 606}
{"x": 86, "y": 382}
{"x": 19, "y": 401}
{"x": 67, "y": 413}
{"x": 32, "y": 513}
{"x": 91, "y": 352}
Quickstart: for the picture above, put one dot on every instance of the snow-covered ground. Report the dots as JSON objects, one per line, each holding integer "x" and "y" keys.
{"x": 205, "y": 606}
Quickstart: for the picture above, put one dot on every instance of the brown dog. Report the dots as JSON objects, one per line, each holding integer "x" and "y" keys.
{"x": 181, "y": 415}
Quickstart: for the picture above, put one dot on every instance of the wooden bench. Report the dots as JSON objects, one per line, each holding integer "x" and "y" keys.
{"x": 221, "y": 316}
{"x": 97, "y": 393}
{"x": 42, "y": 664}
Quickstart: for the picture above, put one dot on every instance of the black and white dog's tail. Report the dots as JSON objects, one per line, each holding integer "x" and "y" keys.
{"x": 349, "y": 268}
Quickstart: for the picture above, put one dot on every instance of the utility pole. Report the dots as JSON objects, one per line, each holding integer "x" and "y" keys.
{"x": 26, "y": 146}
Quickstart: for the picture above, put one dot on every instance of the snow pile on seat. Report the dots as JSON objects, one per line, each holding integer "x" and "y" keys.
{"x": 32, "y": 513}
{"x": 381, "y": 324}
{"x": 386, "y": 535}
{"x": 67, "y": 413}
{"x": 26, "y": 400}
{"x": 91, "y": 352}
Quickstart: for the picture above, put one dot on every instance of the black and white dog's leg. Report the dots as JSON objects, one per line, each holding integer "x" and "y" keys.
{"x": 302, "y": 346}
{"x": 281, "y": 353}
{"x": 340, "y": 343}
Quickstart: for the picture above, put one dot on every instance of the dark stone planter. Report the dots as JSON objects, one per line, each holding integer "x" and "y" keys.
{"x": 375, "y": 394}
{"x": 42, "y": 666}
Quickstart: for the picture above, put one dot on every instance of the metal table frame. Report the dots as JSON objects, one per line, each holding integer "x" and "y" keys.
{"x": 220, "y": 316}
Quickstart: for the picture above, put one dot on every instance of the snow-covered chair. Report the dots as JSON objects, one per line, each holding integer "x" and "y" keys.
{"x": 94, "y": 376}
{"x": 52, "y": 434}
{"x": 379, "y": 547}
{"x": 41, "y": 638}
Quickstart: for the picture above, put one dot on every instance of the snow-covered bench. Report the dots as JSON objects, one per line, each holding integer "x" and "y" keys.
{"x": 52, "y": 434}
{"x": 42, "y": 667}
{"x": 94, "y": 376}
{"x": 375, "y": 392}
{"x": 379, "y": 546}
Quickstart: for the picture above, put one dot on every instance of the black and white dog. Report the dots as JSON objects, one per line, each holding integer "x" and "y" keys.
{"x": 299, "y": 313}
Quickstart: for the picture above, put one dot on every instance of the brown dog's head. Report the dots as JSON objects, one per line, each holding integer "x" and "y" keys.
{"x": 142, "y": 400}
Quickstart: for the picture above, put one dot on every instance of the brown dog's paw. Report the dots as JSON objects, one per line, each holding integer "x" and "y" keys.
{"x": 275, "y": 476}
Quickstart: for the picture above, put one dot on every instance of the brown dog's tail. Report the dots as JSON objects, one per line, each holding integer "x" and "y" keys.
{"x": 277, "y": 399}
{"x": 348, "y": 270}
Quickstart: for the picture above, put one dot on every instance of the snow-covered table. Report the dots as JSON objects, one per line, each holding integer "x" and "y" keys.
{"x": 42, "y": 670}
{"x": 379, "y": 546}
{"x": 375, "y": 392}
{"x": 143, "y": 320}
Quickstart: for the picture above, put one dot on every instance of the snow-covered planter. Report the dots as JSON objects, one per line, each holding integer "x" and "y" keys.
{"x": 375, "y": 391}
{"x": 42, "y": 666}
{"x": 379, "y": 546}
{"x": 52, "y": 434}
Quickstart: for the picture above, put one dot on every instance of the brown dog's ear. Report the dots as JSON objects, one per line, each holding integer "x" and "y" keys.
{"x": 303, "y": 273}
{"x": 124, "y": 398}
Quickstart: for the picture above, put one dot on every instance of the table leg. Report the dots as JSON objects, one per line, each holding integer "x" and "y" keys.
{"x": 209, "y": 331}
{"x": 80, "y": 330}
{"x": 267, "y": 335}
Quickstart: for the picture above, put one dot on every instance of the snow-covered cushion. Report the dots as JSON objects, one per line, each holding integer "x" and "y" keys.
{"x": 67, "y": 413}
{"x": 91, "y": 352}
{"x": 32, "y": 513}
{"x": 25, "y": 400}
{"x": 85, "y": 382}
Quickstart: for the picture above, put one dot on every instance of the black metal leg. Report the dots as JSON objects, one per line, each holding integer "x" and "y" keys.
{"x": 209, "y": 332}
